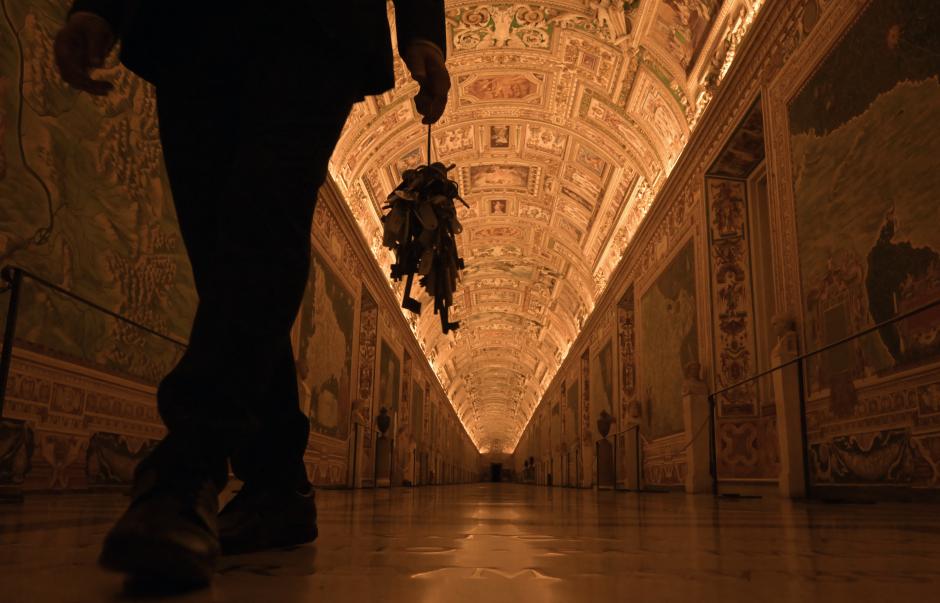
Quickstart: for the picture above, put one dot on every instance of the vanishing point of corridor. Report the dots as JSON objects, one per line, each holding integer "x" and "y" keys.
{"x": 495, "y": 543}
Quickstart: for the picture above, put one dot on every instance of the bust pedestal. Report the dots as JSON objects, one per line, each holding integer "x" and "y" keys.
{"x": 629, "y": 454}
{"x": 383, "y": 462}
{"x": 605, "y": 465}
{"x": 789, "y": 433}
{"x": 695, "y": 413}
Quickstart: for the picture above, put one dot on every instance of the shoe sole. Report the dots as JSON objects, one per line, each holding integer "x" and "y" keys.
{"x": 275, "y": 543}
{"x": 156, "y": 562}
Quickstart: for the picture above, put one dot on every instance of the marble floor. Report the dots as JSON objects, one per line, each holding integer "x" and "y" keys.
{"x": 490, "y": 543}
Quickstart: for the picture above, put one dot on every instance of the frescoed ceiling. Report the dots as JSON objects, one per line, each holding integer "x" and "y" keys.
{"x": 564, "y": 119}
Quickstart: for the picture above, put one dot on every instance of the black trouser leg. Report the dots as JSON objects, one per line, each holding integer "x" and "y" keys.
{"x": 275, "y": 454}
{"x": 245, "y": 155}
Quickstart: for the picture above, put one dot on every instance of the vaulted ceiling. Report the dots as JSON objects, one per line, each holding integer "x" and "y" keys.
{"x": 564, "y": 119}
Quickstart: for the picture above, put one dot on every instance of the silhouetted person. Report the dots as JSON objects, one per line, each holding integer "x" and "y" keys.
{"x": 251, "y": 100}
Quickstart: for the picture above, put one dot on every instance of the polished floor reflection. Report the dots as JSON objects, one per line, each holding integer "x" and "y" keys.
{"x": 490, "y": 543}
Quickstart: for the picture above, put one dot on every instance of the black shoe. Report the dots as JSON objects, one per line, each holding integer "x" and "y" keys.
{"x": 262, "y": 518}
{"x": 168, "y": 535}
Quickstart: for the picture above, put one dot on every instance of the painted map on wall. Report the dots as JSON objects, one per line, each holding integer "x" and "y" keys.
{"x": 84, "y": 203}
{"x": 668, "y": 341}
{"x": 324, "y": 355}
{"x": 865, "y": 137}
{"x": 602, "y": 386}
{"x": 389, "y": 378}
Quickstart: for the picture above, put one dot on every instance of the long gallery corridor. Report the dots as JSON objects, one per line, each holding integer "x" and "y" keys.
{"x": 483, "y": 301}
{"x": 496, "y": 543}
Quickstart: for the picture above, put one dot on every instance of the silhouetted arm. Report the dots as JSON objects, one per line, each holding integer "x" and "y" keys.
{"x": 420, "y": 21}
{"x": 111, "y": 11}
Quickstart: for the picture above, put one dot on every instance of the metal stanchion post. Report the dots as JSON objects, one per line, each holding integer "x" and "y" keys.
{"x": 712, "y": 450}
{"x": 13, "y": 276}
{"x": 639, "y": 465}
{"x": 595, "y": 478}
{"x": 355, "y": 458}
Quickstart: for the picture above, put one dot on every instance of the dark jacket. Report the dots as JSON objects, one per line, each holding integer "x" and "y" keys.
{"x": 158, "y": 37}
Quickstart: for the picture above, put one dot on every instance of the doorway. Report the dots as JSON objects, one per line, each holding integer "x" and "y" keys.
{"x": 496, "y": 472}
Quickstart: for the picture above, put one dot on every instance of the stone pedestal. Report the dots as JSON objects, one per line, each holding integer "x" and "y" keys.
{"x": 789, "y": 433}
{"x": 572, "y": 460}
{"x": 628, "y": 469}
{"x": 605, "y": 465}
{"x": 695, "y": 413}
{"x": 409, "y": 469}
{"x": 383, "y": 462}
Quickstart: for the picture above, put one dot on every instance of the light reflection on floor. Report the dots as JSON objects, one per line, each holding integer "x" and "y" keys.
{"x": 519, "y": 544}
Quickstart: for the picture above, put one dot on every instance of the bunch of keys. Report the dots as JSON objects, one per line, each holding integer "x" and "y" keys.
{"x": 421, "y": 228}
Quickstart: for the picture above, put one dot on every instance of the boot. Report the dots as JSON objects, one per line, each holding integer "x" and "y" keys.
{"x": 168, "y": 534}
{"x": 260, "y": 518}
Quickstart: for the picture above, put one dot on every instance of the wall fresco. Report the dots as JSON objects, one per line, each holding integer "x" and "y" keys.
{"x": 663, "y": 463}
{"x": 404, "y": 438}
{"x": 893, "y": 438}
{"x": 626, "y": 330}
{"x": 602, "y": 382}
{"x": 630, "y": 410}
{"x": 324, "y": 355}
{"x": 111, "y": 458}
{"x": 84, "y": 203}
{"x": 362, "y": 407}
{"x": 587, "y": 431}
{"x": 731, "y": 296}
{"x": 864, "y": 135}
{"x": 746, "y": 432}
{"x": 876, "y": 186}
{"x": 668, "y": 341}
{"x": 368, "y": 334}
{"x": 71, "y": 427}
{"x": 748, "y": 448}
{"x": 389, "y": 379}
{"x": 17, "y": 444}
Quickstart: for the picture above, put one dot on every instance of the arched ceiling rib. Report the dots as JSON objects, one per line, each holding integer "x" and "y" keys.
{"x": 564, "y": 119}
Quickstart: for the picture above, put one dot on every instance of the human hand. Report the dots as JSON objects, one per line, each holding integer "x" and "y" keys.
{"x": 425, "y": 61}
{"x": 81, "y": 46}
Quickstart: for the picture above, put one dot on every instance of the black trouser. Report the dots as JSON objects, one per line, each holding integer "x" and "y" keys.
{"x": 246, "y": 146}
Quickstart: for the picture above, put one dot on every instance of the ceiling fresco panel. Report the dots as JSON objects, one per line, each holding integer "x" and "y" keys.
{"x": 682, "y": 26}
